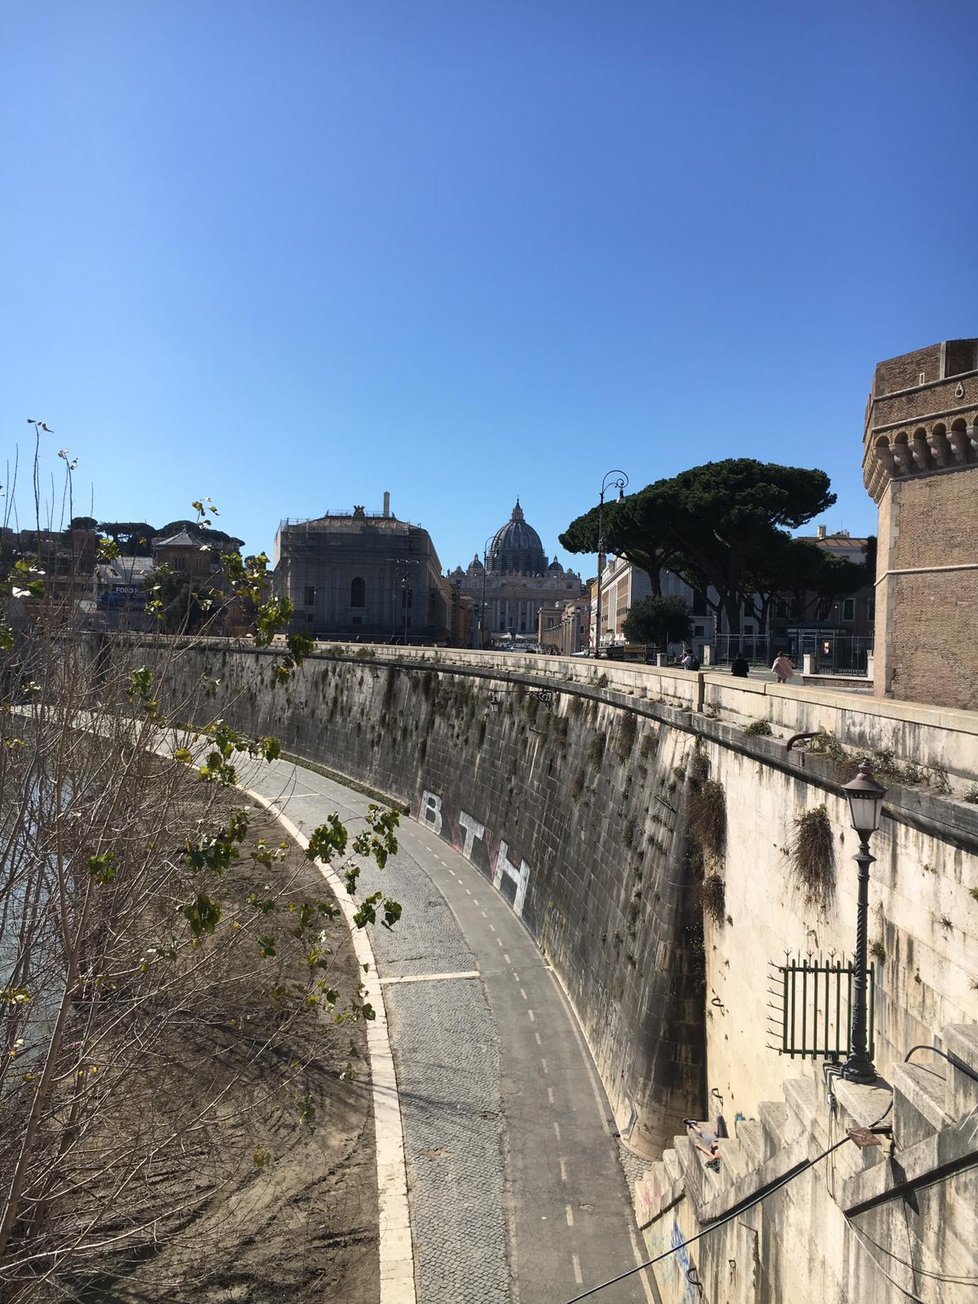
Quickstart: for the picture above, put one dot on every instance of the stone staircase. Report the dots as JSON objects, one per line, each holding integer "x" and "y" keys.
{"x": 934, "y": 1121}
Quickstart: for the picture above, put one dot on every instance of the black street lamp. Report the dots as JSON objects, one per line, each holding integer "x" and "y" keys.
{"x": 482, "y": 609}
{"x": 865, "y": 797}
{"x": 619, "y": 484}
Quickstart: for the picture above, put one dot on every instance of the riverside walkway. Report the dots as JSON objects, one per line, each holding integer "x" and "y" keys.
{"x": 515, "y": 1188}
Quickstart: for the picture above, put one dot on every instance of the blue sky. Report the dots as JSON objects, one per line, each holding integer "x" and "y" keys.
{"x": 292, "y": 254}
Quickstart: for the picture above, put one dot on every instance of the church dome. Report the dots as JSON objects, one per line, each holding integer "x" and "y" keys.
{"x": 516, "y": 548}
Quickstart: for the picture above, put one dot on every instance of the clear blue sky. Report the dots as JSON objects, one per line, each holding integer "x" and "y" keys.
{"x": 291, "y": 254}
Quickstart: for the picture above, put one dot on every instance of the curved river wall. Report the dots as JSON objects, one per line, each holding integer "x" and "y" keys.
{"x": 644, "y": 836}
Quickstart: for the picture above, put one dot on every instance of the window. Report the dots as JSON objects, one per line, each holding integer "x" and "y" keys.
{"x": 358, "y": 593}
{"x": 849, "y": 609}
{"x": 698, "y": 630}
{"x": 310, "y": 596}
{"x": 699, "y": 603}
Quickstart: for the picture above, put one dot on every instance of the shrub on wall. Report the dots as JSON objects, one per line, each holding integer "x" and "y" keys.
{"x": 708, "y": 817}
{"x": 713, "y": 898}
{"x": 811, "y": 856}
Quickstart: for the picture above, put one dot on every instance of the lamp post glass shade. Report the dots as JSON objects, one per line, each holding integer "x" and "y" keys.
{"x": 865, "y": 797}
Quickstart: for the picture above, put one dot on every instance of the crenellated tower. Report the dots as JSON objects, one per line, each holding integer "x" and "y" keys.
{"x": 920, "y": 464}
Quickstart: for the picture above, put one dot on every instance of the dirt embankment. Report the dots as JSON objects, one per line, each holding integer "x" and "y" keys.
{"x": 232, "y": 1157}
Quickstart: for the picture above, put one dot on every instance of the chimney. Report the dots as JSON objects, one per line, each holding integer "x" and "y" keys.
{"x": 387, "y": 503}
{"x": 819, "y": 529}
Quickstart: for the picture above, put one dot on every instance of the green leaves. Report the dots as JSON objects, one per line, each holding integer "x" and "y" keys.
{"x": 378, "y": 840}
{"x": 26, "y": 580}
{"x": 102, "y": 867}
{"x": 328, "y": 840}
{"x": 141, "y": 689}
{"x": 203, "y": 914}
{"x": 367, "y": 914}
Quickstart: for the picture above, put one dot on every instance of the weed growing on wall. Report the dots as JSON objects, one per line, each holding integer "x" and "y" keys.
{"x": 625, "y": 740}
{"x": 811, "y": 856}
{"x": 713, "y": 896}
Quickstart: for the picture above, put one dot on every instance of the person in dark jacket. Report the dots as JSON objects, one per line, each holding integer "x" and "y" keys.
{"x": 740, "y": 668}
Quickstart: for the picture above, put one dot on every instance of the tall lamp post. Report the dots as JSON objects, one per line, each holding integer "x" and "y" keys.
{"x": 865, "y": 797}
{"x": 482, "y": 609}
{"x": 617, "y": 480}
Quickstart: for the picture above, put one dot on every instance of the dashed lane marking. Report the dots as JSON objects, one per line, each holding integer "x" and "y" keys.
{"x": 539, "y": 1040}
{"x": 543, "y": 1065}
{"x": 578, "y": 1275}
{"x": 569, "y": 1215}
{"x": 523, "y": 994}
{"x": 550, "y": 1095}
{"x": 563, "y": 1170}
{"x": 530, "y": 1013}
{"x": 557, "y": 1131}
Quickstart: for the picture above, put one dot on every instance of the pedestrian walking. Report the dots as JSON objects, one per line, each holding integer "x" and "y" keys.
{"x": 783, "y": 668}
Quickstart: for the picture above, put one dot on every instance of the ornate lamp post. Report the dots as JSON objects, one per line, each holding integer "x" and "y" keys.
{"x": 482, "y": 609}
{"x": 865, "y": 797}
{"x": 618, "y": 483}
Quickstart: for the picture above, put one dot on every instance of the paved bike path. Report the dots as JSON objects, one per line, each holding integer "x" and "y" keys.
{"x": 516, "y": 1191}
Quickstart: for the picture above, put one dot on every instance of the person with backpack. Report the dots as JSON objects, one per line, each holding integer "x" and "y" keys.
{"x": 689, "y": 661}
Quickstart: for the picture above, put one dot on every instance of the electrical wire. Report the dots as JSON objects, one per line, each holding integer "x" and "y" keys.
{"x": 728, "y": 1217}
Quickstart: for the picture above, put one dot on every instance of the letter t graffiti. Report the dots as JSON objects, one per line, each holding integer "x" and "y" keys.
{"x": 473, "y": 830}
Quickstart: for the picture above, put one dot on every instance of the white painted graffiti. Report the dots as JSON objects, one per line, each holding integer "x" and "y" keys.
{"x": 430, "y": 814}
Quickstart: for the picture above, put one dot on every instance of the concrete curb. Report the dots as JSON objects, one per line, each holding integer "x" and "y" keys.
{"x": 396, "y": 1250}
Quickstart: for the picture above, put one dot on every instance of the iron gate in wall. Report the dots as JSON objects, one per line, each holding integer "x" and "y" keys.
{"x": 811, "y": 1002}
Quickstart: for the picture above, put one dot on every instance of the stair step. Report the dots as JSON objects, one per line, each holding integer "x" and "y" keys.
{"x": 670, "y": 1162}
{"x": 751, "y": 1136}
{"x": 774, "y": 1118}
{"x": 801, "y": 1098}
{"x": 921, "y": 1090}
{"x": 961, "y": 1040}
{"x": 734, "y": 1161}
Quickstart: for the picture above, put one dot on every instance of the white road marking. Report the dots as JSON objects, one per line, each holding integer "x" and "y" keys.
{"x": 563, "y": 1170}
{"x": 428, "y": 977}
{"x": 523, "y": 994}
{"x": 550, "y": 1095}
{"x": 492, "y": 927}
{"x": 578, "y": 1275}
{"x": 569, "y": 1215}
{"x": 543, "y": 1065}
{"x": 539, "y": 1042}
{"x": 530, "y": 1013}
{"x": 557, "y": 1131}
{"x": 505, "y": 956}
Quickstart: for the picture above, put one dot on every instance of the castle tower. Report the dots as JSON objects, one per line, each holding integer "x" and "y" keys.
{"x": 920, "y": 464}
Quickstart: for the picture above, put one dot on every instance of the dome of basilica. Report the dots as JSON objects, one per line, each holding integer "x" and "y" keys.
{"x": 516, "y": 548}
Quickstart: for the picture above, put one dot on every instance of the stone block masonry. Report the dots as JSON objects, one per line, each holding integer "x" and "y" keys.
{"x": 578, "y": 814}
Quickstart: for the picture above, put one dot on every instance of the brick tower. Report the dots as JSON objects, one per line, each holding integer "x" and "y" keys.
{"x": 920, "y": 464}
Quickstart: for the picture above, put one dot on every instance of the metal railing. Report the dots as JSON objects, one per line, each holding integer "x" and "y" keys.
{"x": 812, "y": 1004}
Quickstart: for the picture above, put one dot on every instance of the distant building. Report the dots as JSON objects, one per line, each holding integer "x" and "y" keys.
{"x": 363, "y": 575}
{"x": 514, "y": 583}
{"x": 563, "y": 628}
{"x": 623, "y": 584}
{"x": 920, "y": 465}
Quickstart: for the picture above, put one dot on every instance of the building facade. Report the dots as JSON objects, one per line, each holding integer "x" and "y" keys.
{"x": 513, "y": 582}
{"x": 920, "y": 465}
{"x": 363, "y": 575}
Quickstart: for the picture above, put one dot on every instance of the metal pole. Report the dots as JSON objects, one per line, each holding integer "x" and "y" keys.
{"x": 597, "y": 631}
{"x": 859, "y": 1067}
